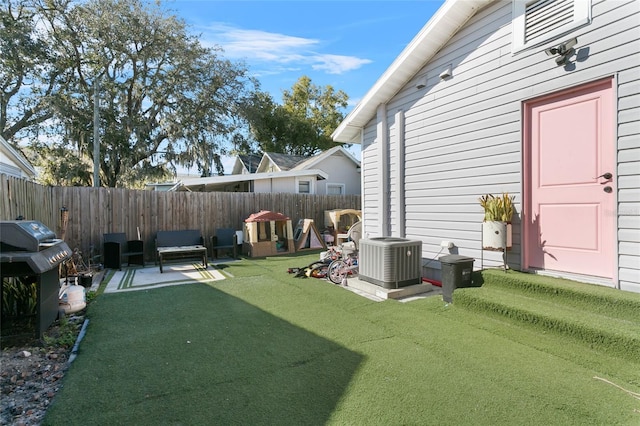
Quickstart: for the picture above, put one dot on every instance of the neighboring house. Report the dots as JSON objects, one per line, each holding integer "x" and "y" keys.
{"x": 342, "y": 168}
{"x": 482, "y": 101}
{"x": 13, "y": 163}
{"x": 254, "y": 182}
{"x": 163, "y": 186}
{"x": 332, "y": 172}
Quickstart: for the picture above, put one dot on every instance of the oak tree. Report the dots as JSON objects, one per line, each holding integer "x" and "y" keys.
{"x": 164, "y": 98}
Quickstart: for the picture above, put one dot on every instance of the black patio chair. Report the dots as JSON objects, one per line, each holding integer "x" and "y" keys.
{"x": 225, "y": 239}
{"x": 116, "y": 247}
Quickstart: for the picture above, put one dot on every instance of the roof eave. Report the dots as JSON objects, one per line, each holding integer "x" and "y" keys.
{"x": 18, "y": 158}
{"x": 431, "y": 38}
{"x": 229, "y": 179}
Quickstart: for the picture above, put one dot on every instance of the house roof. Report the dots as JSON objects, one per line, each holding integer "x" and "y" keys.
{"x": 452, "y": 15}
{"x": 249, "y": 161}
{"x": 312, "y": 161}
{"x": 283, "y": 161}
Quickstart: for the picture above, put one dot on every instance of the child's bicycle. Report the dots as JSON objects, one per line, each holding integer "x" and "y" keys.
{"x": 319, "y": 268}
{"x": 342, "y": 268}
{"x": 347, "y": 264}
{"x": 337, "y": 262}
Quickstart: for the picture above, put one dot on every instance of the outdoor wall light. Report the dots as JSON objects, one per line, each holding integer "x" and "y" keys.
{"x": 564, "y": 51}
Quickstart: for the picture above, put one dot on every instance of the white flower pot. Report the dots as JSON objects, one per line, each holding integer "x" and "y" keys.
{"x": 496, "y": 235}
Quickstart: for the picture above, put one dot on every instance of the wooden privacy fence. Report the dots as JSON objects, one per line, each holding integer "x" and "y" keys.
{"x": 93, "y": 212}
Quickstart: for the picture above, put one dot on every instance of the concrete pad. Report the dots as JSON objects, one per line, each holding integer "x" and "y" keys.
{"x": 376, "y": 292}
{"x": 131, "y": 279}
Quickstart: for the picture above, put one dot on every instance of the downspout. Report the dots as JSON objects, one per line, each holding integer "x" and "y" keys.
{"x": 382, "y": 132}
{"x": 401, "y": 228}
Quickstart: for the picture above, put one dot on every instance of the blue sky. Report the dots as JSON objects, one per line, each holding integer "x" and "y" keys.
{"x": 345, "y": 44}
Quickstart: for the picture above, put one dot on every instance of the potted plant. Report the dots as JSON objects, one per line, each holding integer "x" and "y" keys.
{"x": 496, "y": 227}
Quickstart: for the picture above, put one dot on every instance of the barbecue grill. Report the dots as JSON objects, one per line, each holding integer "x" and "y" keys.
{"x": 31, "y": 250}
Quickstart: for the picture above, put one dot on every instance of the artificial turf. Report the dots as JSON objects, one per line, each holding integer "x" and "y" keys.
{"x": 263, "y": 347}
{"x": 599, "y": 316}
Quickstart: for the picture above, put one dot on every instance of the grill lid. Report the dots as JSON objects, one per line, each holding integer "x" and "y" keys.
{"x": 29, "y": 246}
{"x": 24, "y": 262}
{"x": 25, "y": 235}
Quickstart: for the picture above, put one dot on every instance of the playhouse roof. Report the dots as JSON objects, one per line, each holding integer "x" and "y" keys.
{"x": 266, "y": 216}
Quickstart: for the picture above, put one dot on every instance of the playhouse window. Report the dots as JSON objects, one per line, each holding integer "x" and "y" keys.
{"x": 264, "y": 231}
{"x": 540, "y": 21}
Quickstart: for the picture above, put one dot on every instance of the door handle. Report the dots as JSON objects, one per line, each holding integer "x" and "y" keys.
{"x": 607, "y": 176}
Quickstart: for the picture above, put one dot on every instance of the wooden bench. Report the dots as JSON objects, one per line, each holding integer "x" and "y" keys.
{"x": 116, "y": 246}
{"x": 180, "y": 245}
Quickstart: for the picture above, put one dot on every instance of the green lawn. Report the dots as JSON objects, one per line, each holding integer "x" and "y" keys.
{"x": 266, "y": 348}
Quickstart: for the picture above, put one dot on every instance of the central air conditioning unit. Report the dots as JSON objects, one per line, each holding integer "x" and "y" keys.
{"x": 390, "y": 262}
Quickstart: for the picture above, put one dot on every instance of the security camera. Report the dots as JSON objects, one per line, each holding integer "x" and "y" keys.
{"x": 562, "y": 48}
{"x": 552, "y": 51}
{"x": 564, "y": 58}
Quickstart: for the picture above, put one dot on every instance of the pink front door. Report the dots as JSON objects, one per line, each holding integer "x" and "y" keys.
{"x": 570, "y": 181}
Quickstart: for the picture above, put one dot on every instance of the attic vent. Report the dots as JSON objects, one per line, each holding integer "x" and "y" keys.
{"x": 545, "y": 16}
{"x": 536, "y": 22}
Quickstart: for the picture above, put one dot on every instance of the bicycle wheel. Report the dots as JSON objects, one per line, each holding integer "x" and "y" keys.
{"x": 337, "y": 271}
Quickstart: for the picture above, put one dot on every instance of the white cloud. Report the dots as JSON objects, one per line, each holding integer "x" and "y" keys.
{"x": 262, "y": 47}
{"x": 338, "y": 64}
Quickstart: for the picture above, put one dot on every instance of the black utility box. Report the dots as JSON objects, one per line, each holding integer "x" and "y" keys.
{"x": 456, "y": 273}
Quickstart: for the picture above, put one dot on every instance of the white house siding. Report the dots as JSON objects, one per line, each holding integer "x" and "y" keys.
{"x": 12, "y": 163}
{"x": 10, "y": 169}
{"x": 629, "y": 179}
{"x": 341, "y": 171}
{"x": 463, "y": 135}
{"x": 275, "y": 185}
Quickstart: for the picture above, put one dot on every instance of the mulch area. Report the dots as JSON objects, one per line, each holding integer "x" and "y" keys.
{"x": 31, "y": 375}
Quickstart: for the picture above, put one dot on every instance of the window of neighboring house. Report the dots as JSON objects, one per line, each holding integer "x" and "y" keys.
{"x": 335, "y": 189}
{"x": 304, "y": 187}
{"x": 540, "y": 21}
